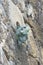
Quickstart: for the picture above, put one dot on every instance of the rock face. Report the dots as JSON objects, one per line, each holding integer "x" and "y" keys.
{"x": 15, "y": 14}
{"x": 30, "y": 52}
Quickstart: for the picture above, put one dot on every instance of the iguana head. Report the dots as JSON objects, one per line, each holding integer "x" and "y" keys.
{"x": 22, "y": 33}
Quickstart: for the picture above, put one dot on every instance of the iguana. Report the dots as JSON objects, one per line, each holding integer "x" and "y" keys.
{"x": 22, "y": 33}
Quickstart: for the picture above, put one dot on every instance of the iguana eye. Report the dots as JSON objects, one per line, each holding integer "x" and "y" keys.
{"x": 24, "y": 27}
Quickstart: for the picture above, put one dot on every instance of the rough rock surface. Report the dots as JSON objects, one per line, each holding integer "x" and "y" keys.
{"x": 30, "y": 52}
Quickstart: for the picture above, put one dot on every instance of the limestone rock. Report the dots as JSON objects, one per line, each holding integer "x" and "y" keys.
{"x": 37, "y": 28}
{"x": 3, "y": 58}
{"x": 42, "y": 54}
{"x": 3, "y": 11}
{"x": 30, "y": 11}
{"x": 15, "y": 14}
{"x": 0, "y": 11}
{"x": 31, "y": 51}
{"x": 33, "y": 1}
{"x": 21, "y": 5}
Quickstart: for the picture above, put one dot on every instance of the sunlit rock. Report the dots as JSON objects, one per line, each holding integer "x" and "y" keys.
{"x": 30, "y": 11}
{"x": 2, "y": 11}
{"x": 15, "y": 14}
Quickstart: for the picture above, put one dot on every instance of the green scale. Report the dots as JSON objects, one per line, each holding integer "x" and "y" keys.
{"x": 22, "y": 33}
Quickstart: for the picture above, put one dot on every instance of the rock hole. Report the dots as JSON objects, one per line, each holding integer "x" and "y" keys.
{"x": 38, "y": 63}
